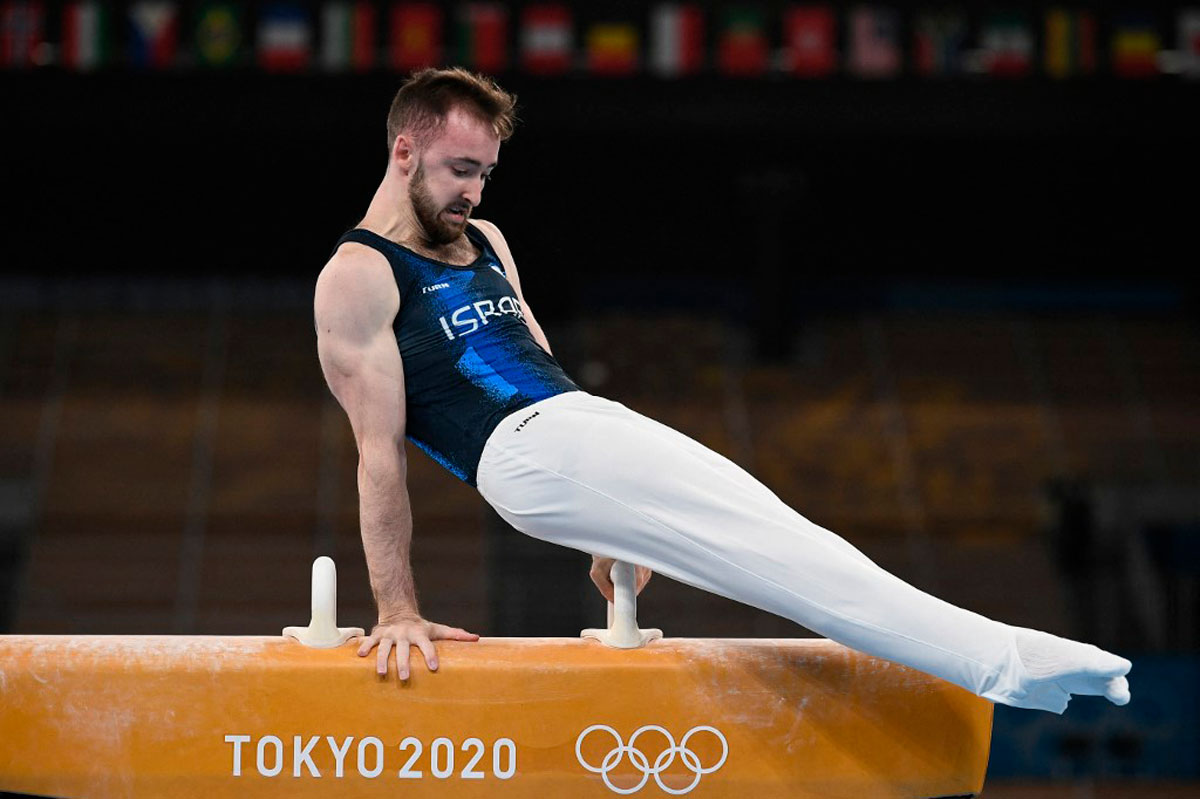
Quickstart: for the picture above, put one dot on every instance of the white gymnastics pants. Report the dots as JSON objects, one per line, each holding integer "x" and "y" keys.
{"x": 588, "y": 473}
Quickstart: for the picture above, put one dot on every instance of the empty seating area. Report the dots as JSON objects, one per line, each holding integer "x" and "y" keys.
{"x": 184, "y": 470}
{"x": 178, "y": 472}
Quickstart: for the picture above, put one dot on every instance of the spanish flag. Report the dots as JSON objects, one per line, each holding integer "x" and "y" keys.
{"x": 612, "y": 48}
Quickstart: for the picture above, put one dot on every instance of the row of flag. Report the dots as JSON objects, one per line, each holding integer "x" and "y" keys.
{"x": 669, "y": 40}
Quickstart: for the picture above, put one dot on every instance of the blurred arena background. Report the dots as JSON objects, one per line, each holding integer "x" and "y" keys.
{"x": 924, "y": 271}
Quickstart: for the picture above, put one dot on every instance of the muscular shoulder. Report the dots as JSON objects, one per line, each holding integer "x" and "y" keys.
{"x": 356, "y": 286}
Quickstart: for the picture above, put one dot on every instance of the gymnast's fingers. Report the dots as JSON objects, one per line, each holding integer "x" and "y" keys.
{"x": 428, "y": 650}
{"x": 404, "y": 657}
{"x": 643, "y": 577}
{"x": 368, "y": 643}
{"x": 603, "y": 581}
{"x": 381, "y": 661}
{"x": 441, "y": 631}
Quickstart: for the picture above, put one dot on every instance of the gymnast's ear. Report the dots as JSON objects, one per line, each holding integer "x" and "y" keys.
{"x": 404, "y": 153}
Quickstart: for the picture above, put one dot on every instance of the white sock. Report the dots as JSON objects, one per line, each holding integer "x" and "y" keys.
{"x": 1060, "y": 667}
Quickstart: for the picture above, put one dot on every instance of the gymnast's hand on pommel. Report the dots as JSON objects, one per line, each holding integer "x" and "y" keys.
{"x": 601, "y": 575}
{"x": 403, "y": 633}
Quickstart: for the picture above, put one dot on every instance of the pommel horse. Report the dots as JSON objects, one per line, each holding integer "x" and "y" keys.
{"x": 616, "y": 712}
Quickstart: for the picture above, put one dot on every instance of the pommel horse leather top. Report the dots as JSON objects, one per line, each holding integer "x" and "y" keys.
{"x": 177, "y": 716}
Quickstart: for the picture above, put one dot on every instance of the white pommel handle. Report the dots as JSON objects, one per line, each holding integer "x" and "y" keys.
{"x": 623, "y": 632}
{"x": 322, "y": 631}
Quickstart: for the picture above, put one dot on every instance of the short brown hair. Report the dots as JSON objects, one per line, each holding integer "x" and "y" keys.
{"x": 424, "y": 101}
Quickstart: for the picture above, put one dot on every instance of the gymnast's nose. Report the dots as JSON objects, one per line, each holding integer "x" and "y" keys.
{"x": 473, "y": 193}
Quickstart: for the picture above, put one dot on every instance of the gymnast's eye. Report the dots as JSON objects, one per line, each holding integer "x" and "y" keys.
{"x": 462, "y": 173}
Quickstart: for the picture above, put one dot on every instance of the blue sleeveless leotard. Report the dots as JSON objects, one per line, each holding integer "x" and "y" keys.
{"x": 469, "y": 357}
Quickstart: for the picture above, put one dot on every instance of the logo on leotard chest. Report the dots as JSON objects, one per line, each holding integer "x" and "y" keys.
{"x": 526, "y": 421}
{"x": 474, "y": 316}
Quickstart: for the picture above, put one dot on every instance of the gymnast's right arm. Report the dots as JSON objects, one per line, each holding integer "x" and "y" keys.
{"x": 355, "y": 304}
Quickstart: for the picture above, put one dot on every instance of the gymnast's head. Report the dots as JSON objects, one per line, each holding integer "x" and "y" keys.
{"x": 445, "y": 127}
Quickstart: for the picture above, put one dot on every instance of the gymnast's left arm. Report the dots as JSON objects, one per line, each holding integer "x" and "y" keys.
{"x": 510, "y": 267}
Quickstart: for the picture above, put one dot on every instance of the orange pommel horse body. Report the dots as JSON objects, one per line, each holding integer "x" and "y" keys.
{"x": 213, "y": 717}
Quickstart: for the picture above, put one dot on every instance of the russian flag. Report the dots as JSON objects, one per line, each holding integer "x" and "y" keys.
{"x": 284, "y": 38}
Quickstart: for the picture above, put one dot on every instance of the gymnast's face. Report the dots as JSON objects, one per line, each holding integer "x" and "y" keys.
{"x": 450, "y": 175}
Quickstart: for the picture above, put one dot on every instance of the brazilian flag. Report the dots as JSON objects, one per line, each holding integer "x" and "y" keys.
{"x": 220, "y": 35}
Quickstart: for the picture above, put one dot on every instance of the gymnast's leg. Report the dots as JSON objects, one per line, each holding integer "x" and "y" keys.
{"x": 591, "y": 474}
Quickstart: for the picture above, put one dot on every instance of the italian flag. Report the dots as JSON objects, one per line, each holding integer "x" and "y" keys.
{"x": 546, "y": 39}
{"x": 348, "y": 36}
{"x": 678, "y": 44}
{"x": 84, "y": 36}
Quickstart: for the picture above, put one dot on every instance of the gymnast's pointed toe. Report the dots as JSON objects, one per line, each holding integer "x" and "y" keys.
{"x": 1117, "y": 691}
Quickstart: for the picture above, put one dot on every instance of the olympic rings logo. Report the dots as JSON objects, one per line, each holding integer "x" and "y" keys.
{"x": 642, "y": 763}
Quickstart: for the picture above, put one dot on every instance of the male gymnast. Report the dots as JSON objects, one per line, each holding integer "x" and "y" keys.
{"x": 423, "y": 332}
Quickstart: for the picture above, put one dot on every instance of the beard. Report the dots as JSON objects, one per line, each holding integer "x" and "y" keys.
{"x": 429, "y": 214}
